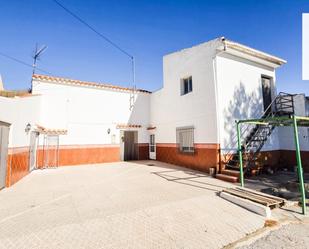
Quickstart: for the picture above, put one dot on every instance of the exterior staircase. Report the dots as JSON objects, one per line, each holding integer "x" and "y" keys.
{"x": 254, "y": 138}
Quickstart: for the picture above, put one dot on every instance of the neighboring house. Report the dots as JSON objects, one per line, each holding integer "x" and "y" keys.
{"x": 189, "y": 122}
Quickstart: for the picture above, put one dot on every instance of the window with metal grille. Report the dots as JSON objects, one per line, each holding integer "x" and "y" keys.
{"x": 186, "y": 85}
{"x": 185, "y": 139}
{"x": 152, "y": 143}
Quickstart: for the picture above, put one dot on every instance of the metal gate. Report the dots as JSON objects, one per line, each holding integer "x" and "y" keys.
{"x": 51, "y": 151}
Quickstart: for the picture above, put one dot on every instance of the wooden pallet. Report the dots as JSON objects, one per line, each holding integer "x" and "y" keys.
{"x": 255, "y": 196}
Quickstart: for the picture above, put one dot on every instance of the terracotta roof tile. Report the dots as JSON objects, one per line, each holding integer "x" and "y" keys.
{"x": 48, "y": 131}
{"x": 60, "y": 80}
{"x": 126, "y": 126}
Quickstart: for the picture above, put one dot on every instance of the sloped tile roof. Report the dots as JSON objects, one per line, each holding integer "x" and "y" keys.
{"x": 48, "y": 131}
{"x": 126, "y": 126}
{"x": 60, "y": 80}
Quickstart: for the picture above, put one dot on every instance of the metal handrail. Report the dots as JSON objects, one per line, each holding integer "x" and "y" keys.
{"x": 247, "y": 127}
{"x": 231, "y": 151}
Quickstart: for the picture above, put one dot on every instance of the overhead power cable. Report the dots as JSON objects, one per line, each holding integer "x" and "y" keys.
{"x": 93, "y": 29}
{"x": 132, "y": 97}
{"x": 22, "y": 62}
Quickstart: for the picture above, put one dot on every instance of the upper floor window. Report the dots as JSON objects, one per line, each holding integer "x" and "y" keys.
{"x": 186, "y": 85}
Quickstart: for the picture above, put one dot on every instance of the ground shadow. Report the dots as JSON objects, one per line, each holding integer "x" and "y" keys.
{"x": 182, "y": 175}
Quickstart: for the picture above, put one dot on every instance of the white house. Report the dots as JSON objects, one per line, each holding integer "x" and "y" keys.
{"x": 226, "y": 82}
{"x": 190, "y": 121}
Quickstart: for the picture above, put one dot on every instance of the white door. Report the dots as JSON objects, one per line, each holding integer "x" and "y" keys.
{"x": 152, "y": 147}
{"x": 4, "y": 141}
{"x": 33, "y": 149}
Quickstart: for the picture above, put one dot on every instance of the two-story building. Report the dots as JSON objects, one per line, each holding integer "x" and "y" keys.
{"x": 190, "y": 121}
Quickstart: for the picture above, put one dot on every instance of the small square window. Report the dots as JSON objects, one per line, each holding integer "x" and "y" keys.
{"x": 185, "y": 139}
{"x": 186, "y": 85}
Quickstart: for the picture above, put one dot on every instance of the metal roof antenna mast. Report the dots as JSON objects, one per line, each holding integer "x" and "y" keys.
{"x": 133, "y": 92}
{"x": 36, "y": 56}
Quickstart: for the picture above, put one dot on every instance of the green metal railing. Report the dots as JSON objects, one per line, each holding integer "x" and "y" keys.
{"x": 293, "y": 121}
{"x": 282, "y": 105}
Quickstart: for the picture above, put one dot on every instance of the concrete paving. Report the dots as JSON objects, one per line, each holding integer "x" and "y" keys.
{"x": 121, "y": 205}
{"x": 290, "y": 236}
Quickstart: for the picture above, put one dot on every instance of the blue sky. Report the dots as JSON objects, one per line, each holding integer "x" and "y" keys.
{"x": 146, "y": 29}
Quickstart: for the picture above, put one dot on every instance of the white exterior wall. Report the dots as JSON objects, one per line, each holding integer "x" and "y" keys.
{"x": 19, "y": 112}
{"x": 170, "y": 110}
{"x": 240, "y": 96}
{"x": 87, "y": 113}
{"x": 225, "y": 88}
{"x": 286, "y": 134}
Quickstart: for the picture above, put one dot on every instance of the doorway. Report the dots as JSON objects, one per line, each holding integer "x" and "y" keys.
{"x": 267, "y": 93}
{"x": 152, "y": 147}
{"x": 33, "y": 150}
{"x": 4, "y": 142}
{"x": 130, "y": 145}
{"x": 51, "y": 151}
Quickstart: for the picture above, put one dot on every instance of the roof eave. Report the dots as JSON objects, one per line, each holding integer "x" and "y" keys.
{"x": 67, "y": 81}
{"x": 270, "y": 60}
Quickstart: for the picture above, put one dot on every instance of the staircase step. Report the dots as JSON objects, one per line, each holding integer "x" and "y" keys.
{"x": 229, "y": 166}
{"x": 227, "y": 178}
{"x": 230, "y": 172}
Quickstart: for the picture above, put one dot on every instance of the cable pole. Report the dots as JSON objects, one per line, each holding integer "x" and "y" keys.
{"x": 132, "y": 98}
{"x": 133, "y": 69}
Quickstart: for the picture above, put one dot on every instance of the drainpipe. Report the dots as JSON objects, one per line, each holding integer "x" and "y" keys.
{"x": 214, "y": 63}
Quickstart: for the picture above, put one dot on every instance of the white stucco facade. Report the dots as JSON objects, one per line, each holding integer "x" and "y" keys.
{"x": 286, "y": 134}
{"x": 169, "y": 109}
{"x": 226, "y": 85}
{"x": 19, "y": 112}
{"x": 87, "y": 113}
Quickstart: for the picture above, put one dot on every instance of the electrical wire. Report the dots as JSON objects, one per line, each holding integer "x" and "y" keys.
{"x": 22, "y": 62}
{"x": 93, "y": 29}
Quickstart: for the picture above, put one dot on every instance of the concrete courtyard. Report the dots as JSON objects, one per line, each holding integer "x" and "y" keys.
{"x": 120, "y": 205}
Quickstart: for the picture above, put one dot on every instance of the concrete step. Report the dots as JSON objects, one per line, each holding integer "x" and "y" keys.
{"x": 230, "y": 172}
{"x": 227, "y": 178}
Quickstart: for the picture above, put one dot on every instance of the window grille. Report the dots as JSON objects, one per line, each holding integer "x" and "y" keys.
{"x": 152, "y": 143}
{"x": 185, "y": 139}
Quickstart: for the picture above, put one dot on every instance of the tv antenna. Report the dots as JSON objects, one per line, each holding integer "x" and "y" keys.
{"x": 36, "y": 56}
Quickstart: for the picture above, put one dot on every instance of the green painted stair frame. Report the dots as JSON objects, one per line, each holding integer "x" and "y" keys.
{"x": 282, "y": 105}
{"x": 293, "y": 121}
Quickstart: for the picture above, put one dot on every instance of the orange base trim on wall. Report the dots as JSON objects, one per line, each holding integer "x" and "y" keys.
{"x": 79, "y": 155}
{"x": 17, "y": 165}
{"x": 18, "y": 158}
{"x": 282, "y": 159}
{"x": 205, "y": 156}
